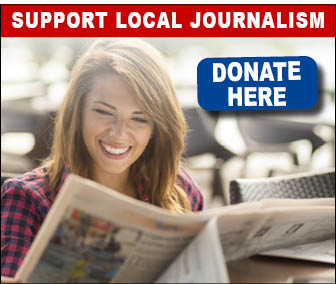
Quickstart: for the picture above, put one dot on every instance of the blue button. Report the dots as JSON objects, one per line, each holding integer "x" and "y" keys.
{"x": 257, "y": 83}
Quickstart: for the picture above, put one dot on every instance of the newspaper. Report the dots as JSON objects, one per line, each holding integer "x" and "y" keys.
{"x": 320, "y": 252}
{"x": 93, "y": 234}
{"x": 201, "y": 262}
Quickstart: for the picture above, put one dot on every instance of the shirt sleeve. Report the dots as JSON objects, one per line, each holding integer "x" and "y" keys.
{"x": 191, "y": 188}
{"x": 19, "y": 225}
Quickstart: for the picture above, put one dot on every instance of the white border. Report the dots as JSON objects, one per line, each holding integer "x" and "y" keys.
{"x": 168, "y": 2}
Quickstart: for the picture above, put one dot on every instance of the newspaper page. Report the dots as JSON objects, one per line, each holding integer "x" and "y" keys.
{"x": 243, "y": 235}
{"x": 320, "y": 252}
{"x": 201, "y": 262}
{"x": 95, "y": 235}
{"x": 271, "y": 203}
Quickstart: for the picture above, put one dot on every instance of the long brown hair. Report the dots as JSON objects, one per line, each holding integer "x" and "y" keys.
{"x": 143, "y": 68}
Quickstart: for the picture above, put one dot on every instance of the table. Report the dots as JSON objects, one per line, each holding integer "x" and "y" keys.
{"x": 266, "y": 269}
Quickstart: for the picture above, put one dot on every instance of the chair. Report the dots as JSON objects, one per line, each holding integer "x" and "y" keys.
{"x": 201, "y": 140}
{"x": 273, "y": 135}
{"x": 311, "y": 184}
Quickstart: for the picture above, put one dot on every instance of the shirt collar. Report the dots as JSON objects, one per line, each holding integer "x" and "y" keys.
{"x": 140, "y": 186}
{"x": 65, "y": 174}
{"x": 141, "y": 189}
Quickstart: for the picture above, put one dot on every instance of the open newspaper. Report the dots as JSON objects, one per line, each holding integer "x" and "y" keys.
{"x": 93, "y": 234}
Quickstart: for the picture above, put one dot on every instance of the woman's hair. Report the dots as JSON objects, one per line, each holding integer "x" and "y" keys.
{"x": 143, "y": 68}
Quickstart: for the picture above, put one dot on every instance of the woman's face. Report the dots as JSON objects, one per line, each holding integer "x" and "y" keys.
{"x": 115, "y": 129}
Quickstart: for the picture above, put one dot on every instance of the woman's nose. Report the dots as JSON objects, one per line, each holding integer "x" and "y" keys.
{"x": 118, "y": 128}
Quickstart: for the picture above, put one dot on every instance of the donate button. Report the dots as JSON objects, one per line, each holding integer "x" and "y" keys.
{"x": 257, "y": 83}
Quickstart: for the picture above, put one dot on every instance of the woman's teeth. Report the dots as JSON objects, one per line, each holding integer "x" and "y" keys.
{"x": 115, "y": 151}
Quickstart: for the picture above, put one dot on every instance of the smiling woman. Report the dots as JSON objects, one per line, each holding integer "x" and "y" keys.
{"x": 121, "y": 125}
{"x": 115, "y": 131}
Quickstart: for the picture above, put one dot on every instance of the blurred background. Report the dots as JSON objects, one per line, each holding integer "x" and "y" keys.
{"x": 220, "y": 146}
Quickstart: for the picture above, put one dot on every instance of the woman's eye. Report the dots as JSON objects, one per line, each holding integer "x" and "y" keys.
{"x": 100, "y": 111}
{"x": 140, "y": 119}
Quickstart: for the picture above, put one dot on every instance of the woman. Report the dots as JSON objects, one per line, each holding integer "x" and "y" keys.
{"x": 120, "y": 125}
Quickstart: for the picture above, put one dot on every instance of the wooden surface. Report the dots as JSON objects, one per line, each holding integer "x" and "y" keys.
{"x": 264, "y": 269}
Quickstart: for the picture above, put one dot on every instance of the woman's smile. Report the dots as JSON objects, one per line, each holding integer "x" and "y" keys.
{"x": 114, "y": 152}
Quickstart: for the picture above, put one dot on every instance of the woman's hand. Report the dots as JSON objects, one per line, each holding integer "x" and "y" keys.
{"x": 5, "y": 279}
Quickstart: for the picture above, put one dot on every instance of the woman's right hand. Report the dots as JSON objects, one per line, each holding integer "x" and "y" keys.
{"x": 5, "y": 279}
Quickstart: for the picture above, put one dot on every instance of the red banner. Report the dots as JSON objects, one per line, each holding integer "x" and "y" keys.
{"x": 167, "y": 20}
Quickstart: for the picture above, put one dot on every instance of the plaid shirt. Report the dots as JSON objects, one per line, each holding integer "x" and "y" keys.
{"x": 26, "y": 200}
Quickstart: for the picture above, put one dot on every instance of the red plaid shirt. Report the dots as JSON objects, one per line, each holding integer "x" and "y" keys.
{"x": 26, "y": 200}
